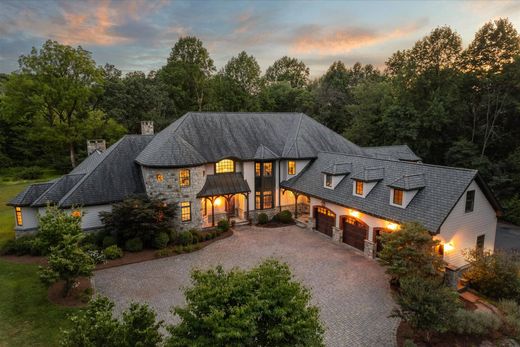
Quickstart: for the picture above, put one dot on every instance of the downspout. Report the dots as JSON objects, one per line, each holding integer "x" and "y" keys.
{"x": 279, "y": 191}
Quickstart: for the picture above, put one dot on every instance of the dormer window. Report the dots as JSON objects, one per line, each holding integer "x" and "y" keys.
{"x": 359, "y": 187}
{"x": 328, "y": 181}
{"x": 398, "y": 197}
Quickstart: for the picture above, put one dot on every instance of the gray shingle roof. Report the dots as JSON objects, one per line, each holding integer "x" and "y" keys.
{"x": 340, "y": 168}
{"x": 222, "y": 184}
{"x": 89, "y": 163}
{"x": 115, "y": 177}
{"x": 430, "y": 206}
{"x": 214, "y": 136}
{"x": 369, "y": 174}
{"x": 409, "y": 182}
{"x": 55, "y": 193}
{"x": 30, "y": 194}
{"x": 264, "y": 153}
{"x": 400, "y": 152}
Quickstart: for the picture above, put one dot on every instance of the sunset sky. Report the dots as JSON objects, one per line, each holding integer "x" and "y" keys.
{"x": 138, "y": 35}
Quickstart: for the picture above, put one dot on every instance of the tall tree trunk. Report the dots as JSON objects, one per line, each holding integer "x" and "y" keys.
{"x": 72, "y": 152}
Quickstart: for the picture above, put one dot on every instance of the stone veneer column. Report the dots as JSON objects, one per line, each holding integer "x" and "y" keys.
{"x": 311, "y": 223}
{"x": 337, "y": 234}
{"x": 370, "y": 249}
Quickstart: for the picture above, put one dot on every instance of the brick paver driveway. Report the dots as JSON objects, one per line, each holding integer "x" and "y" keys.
{"x": 351, "y": 291}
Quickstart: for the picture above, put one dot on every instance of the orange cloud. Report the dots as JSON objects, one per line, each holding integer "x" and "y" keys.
{"x": 314, "y": 40}
{"x": 91, "y": 22}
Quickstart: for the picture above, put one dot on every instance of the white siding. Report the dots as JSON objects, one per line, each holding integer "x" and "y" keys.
{"x": 29, "y": 219}
{"x": 249, "y": 176}
{"x": 300, "y": 165}
{"x": 461, "y": 229}
{"x": 91, "y": 218}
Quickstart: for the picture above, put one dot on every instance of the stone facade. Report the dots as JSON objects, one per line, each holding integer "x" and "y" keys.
{"x": 163, "y": 183}
{"x": 370, "y": 249}
{"x": 337, "y": 234}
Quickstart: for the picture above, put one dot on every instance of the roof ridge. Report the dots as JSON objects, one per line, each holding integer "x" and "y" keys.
{"x": 400, "y": 161}
{"x": 107, "y": 153}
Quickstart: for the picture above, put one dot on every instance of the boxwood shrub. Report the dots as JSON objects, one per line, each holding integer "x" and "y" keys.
{"x": 134, "y": 245}
{"x": 263, "y": 218}
{"x": 161, "y": 240}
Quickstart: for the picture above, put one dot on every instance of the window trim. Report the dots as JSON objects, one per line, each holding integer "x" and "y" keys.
{"x": 185, "y": 205}
{"x": 291, "y": 167}
{"x": 19, "y": 216}
{"x": 328, "y": 181}
{"x": 264, "y": 164}
{"x": 220, "y": 161}
{"x": 181, "y": 178}
{"x": 401, "y": 198}
{"x": 478, "y": 248}
{"x": 469, "y": 209}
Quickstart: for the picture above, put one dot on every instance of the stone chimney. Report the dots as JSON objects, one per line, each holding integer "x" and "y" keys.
{"x": 146, "y": 127}
{"x": 96, "y": 145}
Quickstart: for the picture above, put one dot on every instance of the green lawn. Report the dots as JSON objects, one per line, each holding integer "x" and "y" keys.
{"x": 27, "y": 318}
{"x": 8, "y": 190}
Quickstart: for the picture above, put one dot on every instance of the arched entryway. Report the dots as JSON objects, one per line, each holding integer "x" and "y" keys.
{"x": 355, "y": 232}
{"x": 325, "y": 220}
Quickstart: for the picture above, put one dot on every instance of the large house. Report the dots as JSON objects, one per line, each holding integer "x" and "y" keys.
{"x": 237, "y": 165}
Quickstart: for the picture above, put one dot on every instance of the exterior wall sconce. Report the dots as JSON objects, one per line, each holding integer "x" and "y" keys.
{"x": 448, "y": 247}
{"x": 218, "y": 201}
{"x": 354, "y": 213}
{"x": 392, "y": 226}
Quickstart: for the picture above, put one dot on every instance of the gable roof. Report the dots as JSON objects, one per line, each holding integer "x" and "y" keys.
{"x": 115, "y": 177}
{"x": 400, "y": 152}
{"x": 264, "y": 153}
{"x": 30, "y": 194}
{"x": 409, "y": 182}
{"x": 338, "y": 168}
{"x": 210, "y": 137}
{"x": 443, "y": 187}
{"x": 55, "y": 193}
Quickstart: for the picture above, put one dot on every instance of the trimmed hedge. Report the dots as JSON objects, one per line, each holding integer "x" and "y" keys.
{"x": 263, "y": 218}
{"x": 161, "y": 240}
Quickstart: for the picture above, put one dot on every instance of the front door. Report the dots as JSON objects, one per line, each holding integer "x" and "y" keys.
{"x": 325, "y": 220}
{"x": 354, "y": 232}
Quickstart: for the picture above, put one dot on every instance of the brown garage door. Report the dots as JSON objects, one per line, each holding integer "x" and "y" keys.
{"x": 325, "y": 220}
{"x": 354, "y": 232}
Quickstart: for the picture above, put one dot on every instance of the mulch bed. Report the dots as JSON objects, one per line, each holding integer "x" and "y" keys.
{"x": 149, "y": 254}
{"x": 128, "y": 258}
{"x": 76, "y": 298}
{"x": 272, "y": 224}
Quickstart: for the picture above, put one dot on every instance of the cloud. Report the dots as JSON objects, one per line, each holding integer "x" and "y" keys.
{"x": 101, "y": 23}
{"x": 318, "y": 40}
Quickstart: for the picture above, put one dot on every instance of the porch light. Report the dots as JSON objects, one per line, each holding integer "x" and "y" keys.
{"x": 354, "y": 213}
{"x": 218, "y": 201}
{"x": 448, "y": 247}
{"x": 392, "y": 226}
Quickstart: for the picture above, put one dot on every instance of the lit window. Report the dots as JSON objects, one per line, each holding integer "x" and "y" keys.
{"x": 185, "y": 211}
{"x": 76, "y": 213}
{"x": 159, "y": 177}
{"x": 328, "y": 180}
{"x": 226, "y": 165}
{"x": 359, "y": 187}
{"x": 268, "y": 169}
{"x": 268, "y": 199}
{"x": 184, "y": 178}
{"x": 398, "y": 197}
{"x": 291, "y": 168}
{"x": 325, "y": 211}
{"x": 19, "y": 219}
{"x": 258, "y": 204}
{"x": 470, "y": 201}
{"x": 258, "y": 171}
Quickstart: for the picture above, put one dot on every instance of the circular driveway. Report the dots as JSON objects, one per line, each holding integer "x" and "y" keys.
{"x": 351, "y": 291}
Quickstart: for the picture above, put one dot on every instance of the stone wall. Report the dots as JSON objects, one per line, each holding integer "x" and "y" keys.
{"x": 163, "y": 183}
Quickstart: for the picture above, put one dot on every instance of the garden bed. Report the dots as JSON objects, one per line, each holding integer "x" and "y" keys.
{"x": 78, "y": 296}
{"x": 405, "y": 332}
{"x": 128, "y": 258}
